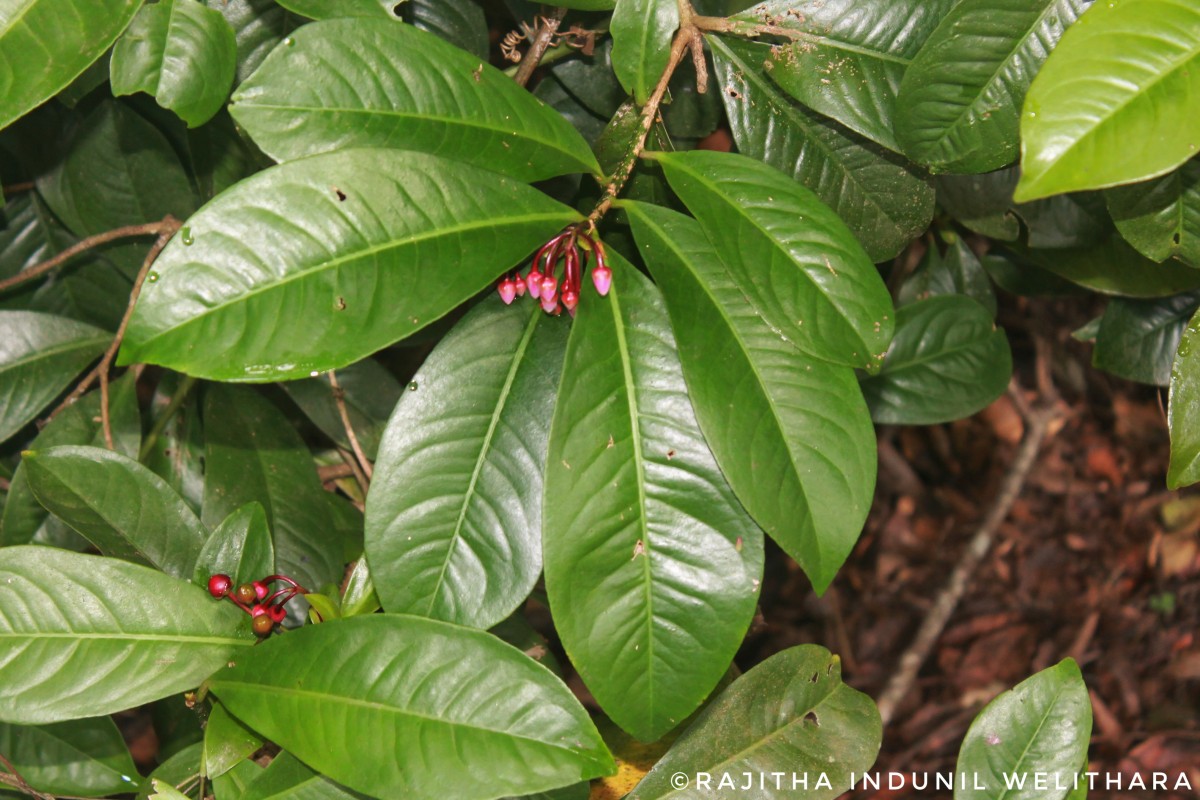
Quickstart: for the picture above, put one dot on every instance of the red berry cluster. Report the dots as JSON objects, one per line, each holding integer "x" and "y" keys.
{"x": 572, "y": 247}
{"x": 267, "y": 608}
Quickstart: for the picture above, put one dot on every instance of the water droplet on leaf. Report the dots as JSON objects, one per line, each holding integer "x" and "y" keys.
{"x": 152, "y": 277}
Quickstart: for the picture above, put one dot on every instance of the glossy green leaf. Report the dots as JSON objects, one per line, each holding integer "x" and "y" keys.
{"x": 948, "y": 361}
{"x": 1117, "y": 100}
{"x": 258, "y": 25}
{"x": 334, "y": 9}
{"x": 957, "y": 271}
{"x": 795, "y": 260}
{"x": 1037, "y": 733}
{"x": 641, "y": 32}
{"x": 178, "y": 769}
{"x": 240, "y": 547}
{"x": 1016, "y": 274}
{"x": 122, "y": 508}
{"x": 362, "y": 247}
{"x": 46, "y": 44}
{"x": 460, "y": 22}
{"x": 652, "y": 566}
{"x": 454, "y": 513}
{"x": 309, "y": 97}
{"x": 1183, "y": 410}
{"x": 982, "y": 203}
{"x": 86, "y": 635}
{"x": 791, "y": 714}
{"x": 369, "y": 392}
{"x": 39, "y": 356}
{"x": 882, "y": 198}
{"x": 176, "y": 453}
{"x": 359, "y": 596}
{"x": 287, "y": 778}
{"x": 83, "y": 757}
{"x": 959, "y": 105}
{"x": 1161, "y": 217}
{"x": 1112, "y": 266}
{"x": 765, "y": 408}
{"x": 1063, "y": 221}
{"x": 846, "y": 57}
{"x": 454, "y": 712}
{"x": 593, "y": 81}
{"x": 161, "y": 790}
{"x": 1137, "y": 339}
{"x": 253, "y": 454}
{"x": 181, "y": 53}
{"x": 226, "y": 742}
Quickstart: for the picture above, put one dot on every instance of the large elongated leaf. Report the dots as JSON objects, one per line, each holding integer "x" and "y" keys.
{"x": 791, "y": 433}
{"x": 794, "y": 258}
{"x": 120, "y": 506}
{"x": 287, "y": 778}
{"x": 960, "y": 101}
{"x": 1161, "y": 217}
{"x": 1112, "y": 266}
{"x": 454, "y": 712}
{"x": 85, "y": 757}
{"x": 460, "y": 22}
{"x": 791, "y": 714}
{"x": 332, "y": 9}
{"x": 361, "y": 247}
{"x": 46, "y": 44}
{"x": 1183, "y": 411}
{"x": 878, "y": 194}
{"x": 85, "y": 635}
{"x": 652, "y": 566}
{"x": 454, "y": 512}
{"x": 1116, "y": 101}
{"x": 226, "y": 742}
{"x": 641, "y": 32}
{"x": 1137, "y": 339}
{"x": 424, "y": 94}
{"x": 240, "y": 547}
{"x": 258, "y": 25}
{"x": 39, "y": 355}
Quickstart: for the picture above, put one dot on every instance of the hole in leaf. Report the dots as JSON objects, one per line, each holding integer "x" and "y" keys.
{"x": 816, "y": 677}
{"x": 812, "y": 717}
{"x": 396, "y": 9}
{"x": 341, "y": 196}
{"x": 1175, "y": 237}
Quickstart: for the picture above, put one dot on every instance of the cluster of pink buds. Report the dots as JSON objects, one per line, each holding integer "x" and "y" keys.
{"x": 573, "y": 247}
{"x": 266, "y": 608}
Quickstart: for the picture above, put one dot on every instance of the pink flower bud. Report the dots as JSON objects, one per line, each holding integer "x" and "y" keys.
{"x": 508, "y": 291}
{"x": 519, "y": 284}
{"x": 602, "y": 278}
{"x": 570, "y": 299}
{"x": 534, "y": 282}
{"x": 550, "y": 287}
{"x": 549, "y": 303}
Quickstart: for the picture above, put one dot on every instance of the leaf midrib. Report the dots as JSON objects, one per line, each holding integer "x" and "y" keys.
{"x": 130, "y": 637}
{"x": 1029, "y": 742}
{"x": 62, "y": 348}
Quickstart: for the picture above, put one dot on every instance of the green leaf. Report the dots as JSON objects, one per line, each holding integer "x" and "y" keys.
{"x": 359, "y": 596}
{"x": 226, "y": 742}
{"x": 362, "y": 247}
{"x": 161, "y": 789}
{"x": 957, "y": 271}
{"x": 1113, "y": 267}
{"x": 1116, "y": 101}
{"x": 1064, "y": 221}
{"x": 309, "y": 97}
{"x": 948, "y": 361}
{"x": 846, "y": 58}
{"x": 122, "y": 508}
{"x": 176, "y": 454}
{"x": 641, "y": 32}
{"x": 454, "y": 512}
{"x": 85, "y": 757}
{"x": 454, "y": 712}
{"x": 39, "y": 356}
{"x": 86, "y": 635}
{"x": 959, "y": 105}
{"x": 881, "y": 197}
{"x": 46, "y": 44}
{"x": 181, "y": 53}
{"x": 336, "y": 9}
{"x": 240, "y": 547}
{"x": 287, "y": 778}
{"x": 982, "y": 203}
{"x": 793, "y": 257}
{"x": 764, "y": 407}
{"x": 1137, "y": 339}
{"x": 253, "y": 454}
{"x": 182, "y": 767}
{"x": 460, "y": 22}
{"x": 369, "y": 392}
{"x": 652, "y": 567}
{"x": 258, "y": 25}
{"x": 1036, "y": 733}
{"x": 1161, "y": 217}
{"x": 790, "y": 714}
{"x": 1183, "y": 410}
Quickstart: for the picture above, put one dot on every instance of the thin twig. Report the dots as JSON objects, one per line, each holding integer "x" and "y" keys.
{"x": 339, "y": 398}
{"x": 20, "y": 784}
{"x": 18, "y": 188}
{"x": 352, "y": 462}
{"x": 541, "y": 41}
{"x": 333, "y": 472}
{"x": 5, "y": 484}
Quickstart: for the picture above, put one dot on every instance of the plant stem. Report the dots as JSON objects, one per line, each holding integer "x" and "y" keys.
{"x": 160, "y": 424}
{"x": 339, "y": 398}
{"x": 538, "y": 47}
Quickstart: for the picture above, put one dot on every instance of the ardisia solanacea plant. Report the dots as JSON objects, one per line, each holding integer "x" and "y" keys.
{"x": 345, "y": 202}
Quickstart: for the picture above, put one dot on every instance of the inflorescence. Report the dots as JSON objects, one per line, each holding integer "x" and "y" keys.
{"x": 266, "y": 608}
{"x": 572, "y": 247}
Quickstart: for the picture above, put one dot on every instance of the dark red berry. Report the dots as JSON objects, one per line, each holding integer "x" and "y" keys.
{"x": 246, "y": 593}
{"x": 218, "y": 585}
{"x": 262, "y": 625}
{"x": 277, "y": 613}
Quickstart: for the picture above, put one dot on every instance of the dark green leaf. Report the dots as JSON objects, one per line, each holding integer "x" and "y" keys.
{"x": 459, "y": 22}
{"x": 219, "y": 156}
{"x": 959, "y": 105}
{"x": 958, "y": 271}
{"x": 1113, "y": 267}
{"x": 1161, "y": 218}
{"x": 240, "y": 547}
{"x": 1137, "y": 339}
{"x": 948, "y": 361}
{"x": 764, "y": 407}
{"x": 793, "y": 258}
{"x": 258, "y": 25}
{"x": 1117, "y": 100}
{"x": 39, "y": 355}
{"x": 176, "y": 727}
{"x": 183, "y": 767}
{"x": 370, "y": 393}
{"x": 362, "y": 247}
{"x": 1063, "y": 221}
{"x": 454, "y": 511}
{"x": 122, "y": 508}
{"x": 226, "y": 742}
{"x": 652, "y": 566}
{"x": 454, "y": 712}
{"x": 302, "y": 100}
{"x": 1036, "y": 732}
{"x": 592, "y": 80}
{"x": 790, "y": 714}
{"x": 1183, "y": 411}
{"x": 982, "y": 203}
{"x": 641, "y": 32}
{"x": 1018, "y": 275}
{"x": 288, "y": 779}
{"x": 85, "y": 757}
{"x": 232, "y": 785}
{"x": 86, "y": 635}
{"x": 176, "y": 453}
{"x": 879, "y": 195}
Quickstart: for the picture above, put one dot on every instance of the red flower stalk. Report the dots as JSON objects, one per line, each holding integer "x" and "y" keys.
{"x": 572, "y": 249}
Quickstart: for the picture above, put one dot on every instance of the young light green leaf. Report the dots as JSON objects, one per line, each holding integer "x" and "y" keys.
{"x": 226, "y": 742}
{"x": 161, "y": 789}
{"x": 790, "y": 714}
{"x": 1116, "y": 101}
{"x": 85, "y": 757}
{"x": 454, "y": 712}
{"x": 641, "y": 33}
{"x": 359, "y": 596}
{"x": 362, "y": 247}
{"x": 87, "y": 635}
{"x": 181, "y": 53}
{"x": 369, "y": 393}
{"x": 794, "y": 258}
{"x": 302, "y": 99}
{"x": 959, "y": 104}
{"x": 1137, "y": 339}
{"x": 652, "y": 566}
{"x": 1183, "y": 410}
{"x": 454, "y": 513}
{"x": 46, "y": 44}
{"x": 240, "y": 547}
{"x": 764, "y": 407}
{"x": 1161, "y": 217}
{"x": 1034, "y": 736}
